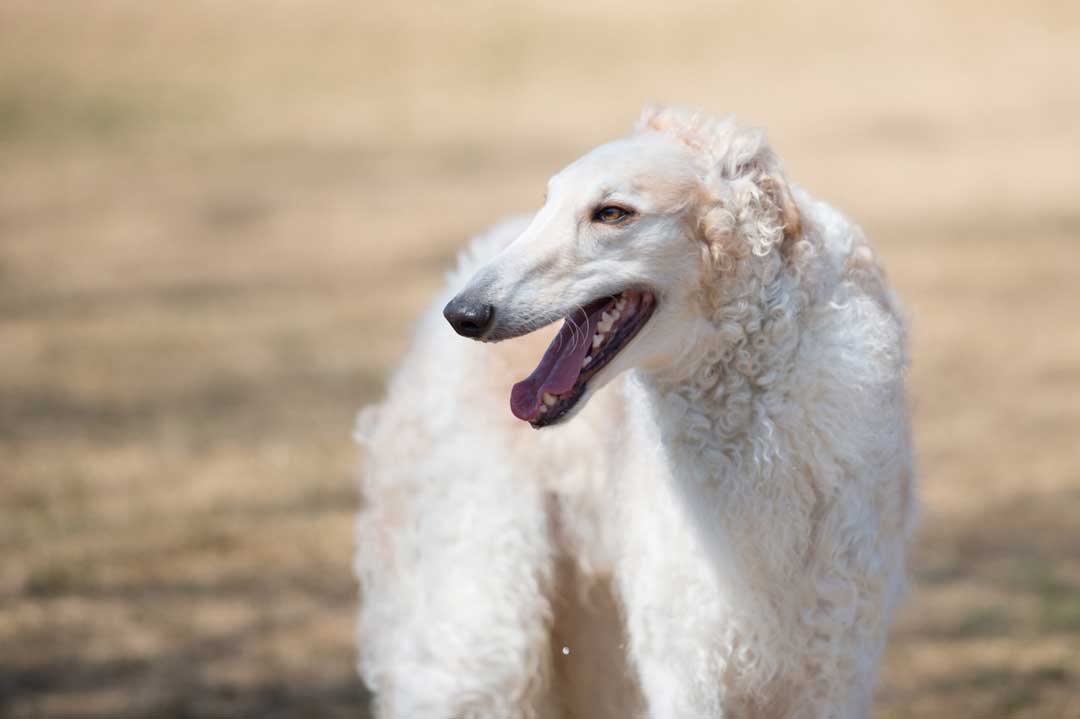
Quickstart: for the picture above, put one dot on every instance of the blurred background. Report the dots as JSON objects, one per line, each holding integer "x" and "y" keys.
{"x": 218, "y": 221}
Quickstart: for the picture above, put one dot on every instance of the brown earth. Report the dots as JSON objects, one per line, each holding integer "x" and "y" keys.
{"x": 217, "y": 221}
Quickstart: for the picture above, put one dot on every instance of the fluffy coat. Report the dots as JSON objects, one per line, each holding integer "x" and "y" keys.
{"x": 719, "y": 532}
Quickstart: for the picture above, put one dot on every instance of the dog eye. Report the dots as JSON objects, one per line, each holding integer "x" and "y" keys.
{"x": 610, "y": 215}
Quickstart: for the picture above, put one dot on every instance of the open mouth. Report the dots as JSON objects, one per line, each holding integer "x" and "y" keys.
{"x": 589, "y": 339}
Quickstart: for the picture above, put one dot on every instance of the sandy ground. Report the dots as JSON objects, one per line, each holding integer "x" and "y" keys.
{"x": 217, "y": 221}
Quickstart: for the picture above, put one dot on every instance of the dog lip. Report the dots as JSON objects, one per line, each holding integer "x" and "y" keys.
{"x": 567, "y": 405}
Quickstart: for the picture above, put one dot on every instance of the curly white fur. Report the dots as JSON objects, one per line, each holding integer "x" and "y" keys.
{"x": 720, "y": 532}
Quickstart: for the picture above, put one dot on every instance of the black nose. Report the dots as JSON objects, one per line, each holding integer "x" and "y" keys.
{"x": 468, "y": 318}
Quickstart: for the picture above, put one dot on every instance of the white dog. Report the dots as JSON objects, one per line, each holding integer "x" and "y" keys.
{"x": 712, "y": 521}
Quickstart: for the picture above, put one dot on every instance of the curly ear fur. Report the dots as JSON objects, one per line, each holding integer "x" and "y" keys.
{"x": 748, "y": 212}
{"x": 774, "y": 184}
{"x": 747, "y": 220}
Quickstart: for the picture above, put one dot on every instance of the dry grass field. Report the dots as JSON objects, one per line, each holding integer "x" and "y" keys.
{"x": 218, "y": 219}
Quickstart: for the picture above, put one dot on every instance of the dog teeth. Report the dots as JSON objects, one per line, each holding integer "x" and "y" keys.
{"x": 549, "y": 399}
{"x": 585, "y": 362}
{"x": 620, "y": 305}
{"x": 543, "y": 409}
{"x": 615, "y": 314}
{"x": 596, "y": 340}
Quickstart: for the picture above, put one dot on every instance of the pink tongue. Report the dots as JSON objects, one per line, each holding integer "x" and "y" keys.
{"x": 558, "y": 369}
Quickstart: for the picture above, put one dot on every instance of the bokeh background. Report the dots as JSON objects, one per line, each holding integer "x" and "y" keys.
{"x": 218, "y": 220}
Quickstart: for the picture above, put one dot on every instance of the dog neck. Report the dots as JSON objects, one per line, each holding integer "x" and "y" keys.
{"x": 718, "y": 401}
{"x": 724, "y": 413}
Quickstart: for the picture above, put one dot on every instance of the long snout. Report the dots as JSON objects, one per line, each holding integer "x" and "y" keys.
{"x": 523, "y": 288}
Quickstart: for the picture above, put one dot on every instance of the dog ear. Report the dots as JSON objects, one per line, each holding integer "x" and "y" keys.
{"x": 774, "y": 184}
{"x": 764, "y": 171}
{"x": 747, "y": 194}
{"x": 753, "y": 210}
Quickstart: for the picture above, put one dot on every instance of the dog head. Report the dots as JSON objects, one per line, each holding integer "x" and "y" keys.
{"x": 632, "y": 247}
